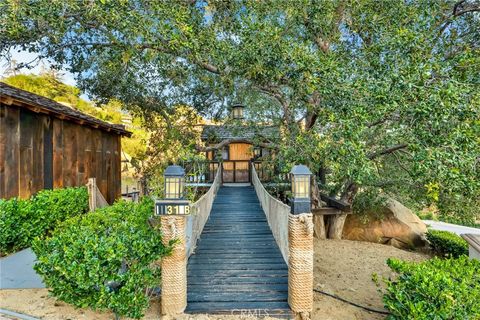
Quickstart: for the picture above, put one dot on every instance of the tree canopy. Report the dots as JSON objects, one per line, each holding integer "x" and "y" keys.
{"x": 385, "y": 94}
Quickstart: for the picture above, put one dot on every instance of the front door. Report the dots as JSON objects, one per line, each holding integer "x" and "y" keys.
{"x": 236, "y": 168}
{"x": 236, "y": 171}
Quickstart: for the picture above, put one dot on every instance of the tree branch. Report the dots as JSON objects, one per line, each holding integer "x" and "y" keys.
{"x": 387, "y": 150}
{"x": 225, "y": 142}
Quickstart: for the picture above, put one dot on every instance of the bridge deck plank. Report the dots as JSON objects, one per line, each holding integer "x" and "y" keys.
{"x": 237, "y": 266}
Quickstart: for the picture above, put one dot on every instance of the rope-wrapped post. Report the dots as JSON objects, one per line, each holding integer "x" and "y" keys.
{"x": 300, "y": 264}
{"x": 174, "y": 266}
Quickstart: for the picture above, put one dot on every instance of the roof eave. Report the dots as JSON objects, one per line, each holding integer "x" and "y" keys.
{"x": 9, "y": 100}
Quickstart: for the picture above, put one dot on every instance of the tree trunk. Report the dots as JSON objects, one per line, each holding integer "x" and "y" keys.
{"x": 318, "y": 220}
{"x": 319, "y": 226}
{"x": 335, "y": 229}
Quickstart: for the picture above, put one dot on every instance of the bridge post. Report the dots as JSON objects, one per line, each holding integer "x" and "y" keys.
{"x": 172, "y": 212}
{"x": 300, "y": 245}
{"x": 300, "y": 264}
{"x": 174, "y": 266}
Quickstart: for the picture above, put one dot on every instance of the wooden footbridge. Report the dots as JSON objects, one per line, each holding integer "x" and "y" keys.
{"x": 247, "y": 254}
{"x": 237, "y": 264}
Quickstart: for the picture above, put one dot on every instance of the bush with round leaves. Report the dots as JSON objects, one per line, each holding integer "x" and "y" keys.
{"x": 434, "y": 289}
{"x": 104, "y": 260}
{"x": 447, "y": 243}
{"x": 21, "y": 221}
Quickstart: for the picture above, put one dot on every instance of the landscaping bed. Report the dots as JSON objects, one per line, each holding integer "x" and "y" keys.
{"x": 342, "y": 267}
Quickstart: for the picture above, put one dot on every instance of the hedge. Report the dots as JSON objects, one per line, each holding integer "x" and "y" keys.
{"x": 21, "y": 221}
{"x": 447, "y": 243}
{"x": 434, "y": 289}
{"x": 104, "y": 260}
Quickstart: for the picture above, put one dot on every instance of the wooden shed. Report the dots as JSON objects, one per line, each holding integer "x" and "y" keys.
{"x": 45, "y": 145}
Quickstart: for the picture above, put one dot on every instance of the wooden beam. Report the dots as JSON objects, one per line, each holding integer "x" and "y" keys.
{"x": 327, "y": 211}
{"x": 473, "y": 240}
{"x": 336, "y": 203}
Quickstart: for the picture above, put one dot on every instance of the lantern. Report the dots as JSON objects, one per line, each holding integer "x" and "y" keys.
{"x": 174, "y": 203}
{"x": 300, "y": 177}
{"x": 237, "y": 111}
{"x": 257, "y": 152}
{"x": 174, "y": 182}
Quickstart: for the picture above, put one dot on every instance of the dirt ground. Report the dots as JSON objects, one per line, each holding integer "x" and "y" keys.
{"x": 345, "y": 268}
{"x": 342, "y": 267}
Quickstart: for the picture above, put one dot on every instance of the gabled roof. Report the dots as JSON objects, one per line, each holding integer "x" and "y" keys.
{"x": 13, "y": 96}
{"x": 218, "y": 133}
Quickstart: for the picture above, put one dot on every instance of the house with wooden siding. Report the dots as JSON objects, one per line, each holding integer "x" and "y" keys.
{"x": 237, "y": 147}
{"x": 45, "y": 145}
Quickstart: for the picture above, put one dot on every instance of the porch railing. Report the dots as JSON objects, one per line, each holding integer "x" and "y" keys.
{"x": 277, "y": 214}
{"x": 201, "y": 211}
{"x": 267, "y": 172}
{"x": 200, "y": 171}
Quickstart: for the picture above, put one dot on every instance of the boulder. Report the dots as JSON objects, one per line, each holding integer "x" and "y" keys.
{"x": 397, "y": 226}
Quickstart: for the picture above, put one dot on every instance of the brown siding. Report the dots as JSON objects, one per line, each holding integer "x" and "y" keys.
{"x": 75, "y": 153}
{"x": 240, "y": 151}
{"x": 10, "y": 128}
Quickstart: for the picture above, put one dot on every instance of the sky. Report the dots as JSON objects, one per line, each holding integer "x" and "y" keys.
{"x": 24, "y": 57}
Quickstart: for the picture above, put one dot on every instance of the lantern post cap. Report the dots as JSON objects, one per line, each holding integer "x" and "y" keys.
{"x": 174, "y": 171}
{"x": 300, "y": 170}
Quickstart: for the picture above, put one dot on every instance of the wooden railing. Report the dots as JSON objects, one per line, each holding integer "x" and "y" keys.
{"x": 201, "y": 211}
{"x": 276, "y": 212}
{"x": 266, "y": 172}
{"x": 200, "y": 171}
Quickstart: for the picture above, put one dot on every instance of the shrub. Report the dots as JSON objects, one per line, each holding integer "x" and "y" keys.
{"x": 113, "y": 245}
{"x": 447, "y": 243}
{"x": 434, "y": 289}
{"x": 23, "y": 220}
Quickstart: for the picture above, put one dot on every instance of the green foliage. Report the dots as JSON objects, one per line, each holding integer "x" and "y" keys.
{"x": 388, "y": 90}
{"x": 368, "y": 201}
{"x": 111, "y": 245}
{"x": 434, "y": 289}
{"x": 21, "y": 221}
{"x": 447, "y": 243}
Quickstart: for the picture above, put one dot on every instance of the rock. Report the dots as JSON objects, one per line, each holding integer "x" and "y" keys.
{"x": 398, "y": 227}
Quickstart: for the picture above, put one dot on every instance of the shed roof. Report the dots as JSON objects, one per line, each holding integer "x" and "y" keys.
{"x": 13, "y": 96}
{"x": 219, "y": 132}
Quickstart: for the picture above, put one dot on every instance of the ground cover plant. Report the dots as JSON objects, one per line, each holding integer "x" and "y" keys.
{"x": 21, "y": 221}
{"x": 434, "y": 289}
{"x": 447, "y": 243}
{"x": 104, "y": 260}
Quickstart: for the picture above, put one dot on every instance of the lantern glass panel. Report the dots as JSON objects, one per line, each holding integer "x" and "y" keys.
{"x": 238, "y": 112}
{"x": 301, "y": 186}
{"x": 173, "y": 187}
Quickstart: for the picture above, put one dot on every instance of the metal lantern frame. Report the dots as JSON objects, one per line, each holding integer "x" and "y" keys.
{"x": 257, "y": 152}
{"x": 174, "y": 202}
{"x": 174, "y": 177}
{"x": 300, "y": 177}
{"x": 238, "y": 111}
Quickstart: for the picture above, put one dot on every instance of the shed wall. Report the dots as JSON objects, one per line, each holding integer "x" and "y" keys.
{"x": 38, "y": 152}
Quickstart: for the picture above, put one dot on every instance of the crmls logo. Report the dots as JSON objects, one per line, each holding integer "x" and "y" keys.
{"x": 251, "y": 312}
